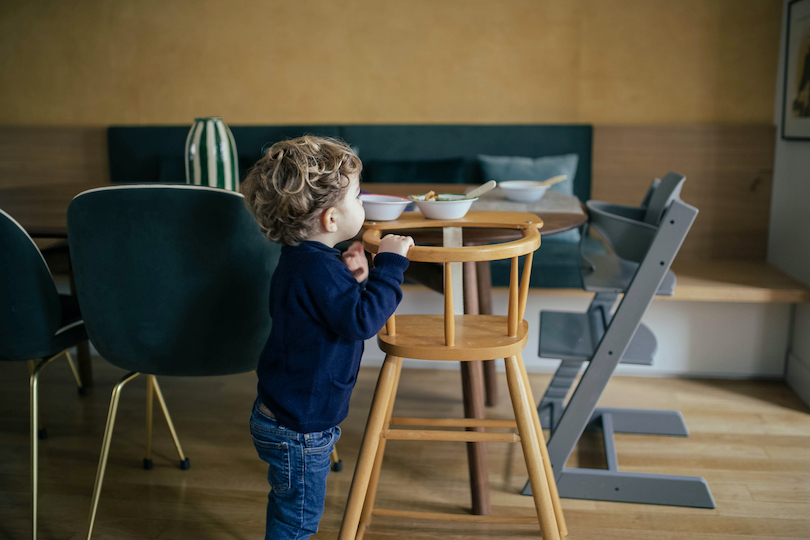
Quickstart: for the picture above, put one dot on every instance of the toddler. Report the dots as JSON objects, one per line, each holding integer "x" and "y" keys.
{"x": 305, "y": 195}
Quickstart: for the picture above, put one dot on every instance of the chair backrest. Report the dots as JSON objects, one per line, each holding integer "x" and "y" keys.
{"x": 630, "y": 230}
{"x": 527, "y": 244}
{"x": 172, "y": 279}
{"x": 662, "y": 196}
{"x": 622, "y": 228}
{"x": 30, "y": 312}
{"x": 650, "y": 190}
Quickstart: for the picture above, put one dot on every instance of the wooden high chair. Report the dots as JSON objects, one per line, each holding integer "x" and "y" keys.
{"x": 461, "y": 338}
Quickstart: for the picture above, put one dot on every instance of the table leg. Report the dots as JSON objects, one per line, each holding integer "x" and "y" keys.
{"x": 472, "y": 385}
{"x": 484, "y": 281}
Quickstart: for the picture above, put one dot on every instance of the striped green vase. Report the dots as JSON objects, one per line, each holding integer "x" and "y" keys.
{"x": 211, "y": 158}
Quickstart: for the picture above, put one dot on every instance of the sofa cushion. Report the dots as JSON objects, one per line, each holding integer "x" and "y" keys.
{"x": 554, "y": 265}
{"x": 440, "y": 171}
{"x": 501, "y": 168}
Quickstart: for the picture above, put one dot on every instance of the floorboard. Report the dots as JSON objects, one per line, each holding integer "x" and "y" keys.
{"x": 749, "y": 439}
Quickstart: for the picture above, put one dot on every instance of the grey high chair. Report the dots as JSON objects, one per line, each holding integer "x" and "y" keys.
{"x": 641, "y": 244}
{"x": 600, "y": 273}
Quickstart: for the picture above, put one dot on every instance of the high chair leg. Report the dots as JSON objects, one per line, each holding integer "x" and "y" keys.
{"x": 337, "y": 464}
{"x": 531, "y": 451}
{"x": 105, "y": 447}
{"x": 76, "y": 376}
{"x": 147, "y": 461}
{"x": 541, "y": 441}
{"x": 184, "y": 463}
{"x": 34, "y": 408}
{"x": 371, "y": 494}
{"x": 368, "y": 448}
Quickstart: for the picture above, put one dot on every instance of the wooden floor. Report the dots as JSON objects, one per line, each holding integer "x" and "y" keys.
{"x": 749, "y": 440}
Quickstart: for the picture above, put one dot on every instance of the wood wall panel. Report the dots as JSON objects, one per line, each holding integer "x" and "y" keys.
{"x": 728, "y": 173}
{"x": 31, "y": 156}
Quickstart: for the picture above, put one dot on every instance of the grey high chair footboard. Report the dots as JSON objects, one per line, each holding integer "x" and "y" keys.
{"x": 644, "y": 241}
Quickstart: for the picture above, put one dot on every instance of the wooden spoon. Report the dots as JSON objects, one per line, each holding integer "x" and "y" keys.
{"x": 480, "y": 190}
{"x": 553, "y": 180}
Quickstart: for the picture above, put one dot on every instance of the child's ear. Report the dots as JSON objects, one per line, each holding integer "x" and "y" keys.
{"x": 328, "y": 220}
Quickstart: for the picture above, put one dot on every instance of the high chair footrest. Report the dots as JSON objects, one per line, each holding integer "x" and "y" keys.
{"x": 437, "y": 516}
{"x": 450, "y": 436}
{"x": 453, "y": 422}
{"x": 572, "y": 336}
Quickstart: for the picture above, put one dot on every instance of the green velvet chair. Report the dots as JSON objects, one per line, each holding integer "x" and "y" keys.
{"x": 172, "y": 280}
{"x": 37, "y": 324}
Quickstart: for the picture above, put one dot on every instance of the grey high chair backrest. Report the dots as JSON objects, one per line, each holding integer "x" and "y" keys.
{"x": 172, "y": 279}
{"x": 629, "y": 230}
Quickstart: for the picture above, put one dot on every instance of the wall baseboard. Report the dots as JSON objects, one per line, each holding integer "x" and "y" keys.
{"x": 797, "y": 376}
{"x": 729, "y": 340}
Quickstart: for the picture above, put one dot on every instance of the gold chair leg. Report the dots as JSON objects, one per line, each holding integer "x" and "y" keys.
{"x": 371, "y": 494}
{"x": 34, "y": 410}
{"x": 105, "y": 447}
{"x": 75, "y": 371}
{"x": 368, "y": 449}
{"x": 184, "y": 463}
{"x": 147, "y": 461}
{"x": 337, "y": 464}
{"x": 541, "y": 441}
{"x": 41, "y": 433}
{"x": 531, "y": 451}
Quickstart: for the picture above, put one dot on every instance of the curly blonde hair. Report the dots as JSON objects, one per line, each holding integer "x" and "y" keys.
{"x": 287, "y": 189}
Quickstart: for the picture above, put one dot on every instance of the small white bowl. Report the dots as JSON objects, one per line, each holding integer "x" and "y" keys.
{"x": 383, "y": 207}
{"x": 454, "y": 206}
{"x": 523, "y": 190}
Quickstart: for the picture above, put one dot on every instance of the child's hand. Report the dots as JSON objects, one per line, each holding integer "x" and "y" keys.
{"x": 355, "y": 260}
{"x": 394, "y": 243}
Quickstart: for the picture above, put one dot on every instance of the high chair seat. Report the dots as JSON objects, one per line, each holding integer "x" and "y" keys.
{"x": 478, "y": 337}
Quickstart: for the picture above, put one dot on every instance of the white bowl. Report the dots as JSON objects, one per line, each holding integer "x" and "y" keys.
{"x": 523, "y": 190}
{"x": 383, "y": 207}
{"x": 453, "y": 206}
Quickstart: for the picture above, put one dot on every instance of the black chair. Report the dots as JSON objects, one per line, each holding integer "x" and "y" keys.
{"x": 37, "y": 324}
{"x": 172, "y": 280}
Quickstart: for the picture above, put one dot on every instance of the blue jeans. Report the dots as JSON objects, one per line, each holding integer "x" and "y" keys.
{"x": 298, "y": 464}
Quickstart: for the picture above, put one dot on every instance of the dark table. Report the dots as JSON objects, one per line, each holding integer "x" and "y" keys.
{"x": 42, "y": 211}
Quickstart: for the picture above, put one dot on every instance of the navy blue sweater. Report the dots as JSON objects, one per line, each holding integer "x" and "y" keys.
{"x": 321, "y": 316}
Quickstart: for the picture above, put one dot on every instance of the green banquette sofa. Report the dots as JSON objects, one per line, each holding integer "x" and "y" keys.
{"x": 437, "y": 153}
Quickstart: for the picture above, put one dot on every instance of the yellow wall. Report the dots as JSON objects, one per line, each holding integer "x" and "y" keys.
{"x": 98, "y": 62}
